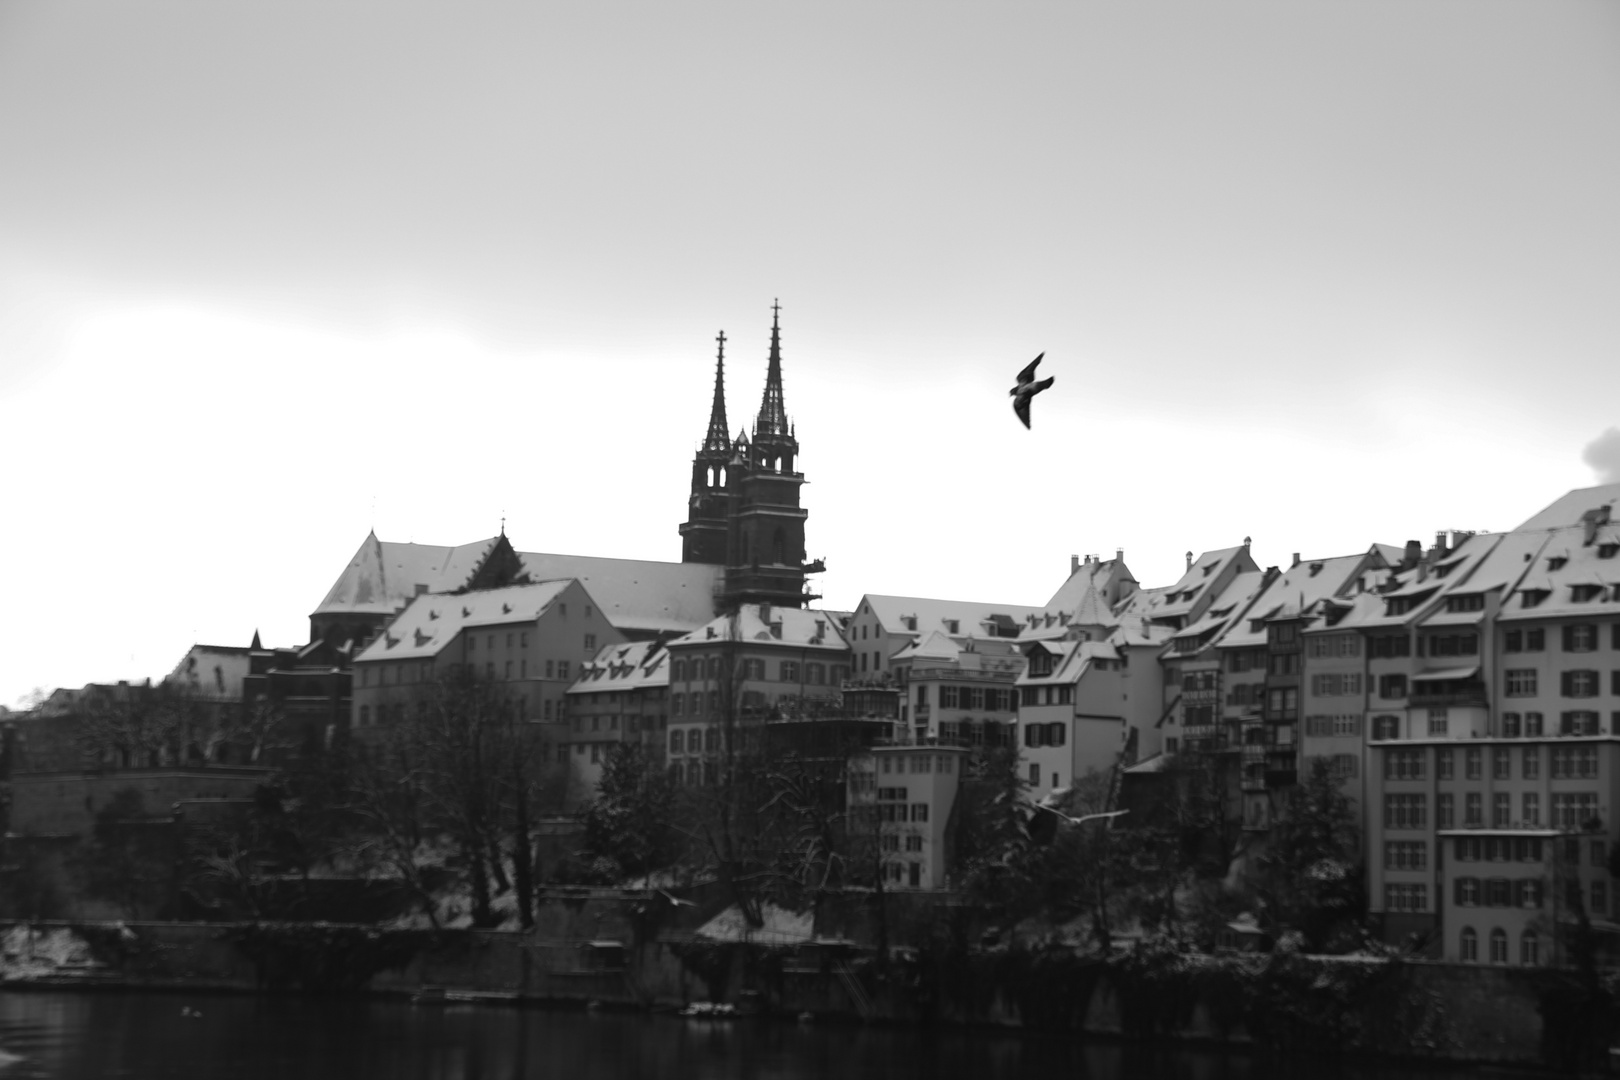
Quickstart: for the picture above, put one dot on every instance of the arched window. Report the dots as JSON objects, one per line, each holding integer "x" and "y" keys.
{"x": 1470, "y": 946}
{"x": 1499, "y": 953}
{"x": 1529, "y": 949}
{"x": 677, "y": 741}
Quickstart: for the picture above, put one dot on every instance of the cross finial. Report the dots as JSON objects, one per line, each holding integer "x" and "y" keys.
{"x": 721, "y": 338}
{"x": 776, "y": 309}
{"x": 503, "y": 522}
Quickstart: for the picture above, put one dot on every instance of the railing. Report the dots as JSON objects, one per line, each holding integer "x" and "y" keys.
{"x": 1464, "y": 697}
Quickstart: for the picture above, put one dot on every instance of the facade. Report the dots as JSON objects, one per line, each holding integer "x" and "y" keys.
{"x": 905, "y": 794}
{"x": 527, "y": 641}
{"x": 959, "y": 695}
{"x": 620, "y": 696}
{"x": 735, "y": 675}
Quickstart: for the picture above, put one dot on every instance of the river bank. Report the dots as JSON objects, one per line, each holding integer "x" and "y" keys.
{"x": 1360, "y": 1007}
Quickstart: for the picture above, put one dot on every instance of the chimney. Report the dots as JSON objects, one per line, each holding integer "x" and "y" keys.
{"x": 1119, "y": 554}
{"x": 1413, "y": 553}
{"x": 1439, "y": 543}
{"x": 1590, "y": 522}
{"x": 1189, "y": 560}
{"x": 1295, "y": 562}
{"x": 765, "y": 613}
{"x": 1246, "y": 542}
{"x": 1074, "y": 564}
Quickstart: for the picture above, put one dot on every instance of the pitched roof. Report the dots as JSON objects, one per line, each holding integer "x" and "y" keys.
{"x": 1292, "y": 594}
{"x": 1102, "y": 574}
{"x": 1563, "y": 564}
{"x": 938, "y": 614}
{"x": 1568, "y": 508}
{"x": 799, "y": 627}
{"x": 431, "y": 622}
{"x": 635, "y": 665}
{"x": 212, "y": 671}
{"x": 634, "y": 594}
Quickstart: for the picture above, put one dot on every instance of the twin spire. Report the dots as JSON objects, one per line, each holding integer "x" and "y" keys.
{"x": 772, "y": 419}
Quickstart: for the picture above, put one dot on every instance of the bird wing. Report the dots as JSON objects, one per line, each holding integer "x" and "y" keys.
{"x": 1028, "y": 374}
{"x": 1021, "y": 407}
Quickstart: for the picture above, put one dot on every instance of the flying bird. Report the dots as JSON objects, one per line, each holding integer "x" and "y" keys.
{"x": 1027, "y": 388}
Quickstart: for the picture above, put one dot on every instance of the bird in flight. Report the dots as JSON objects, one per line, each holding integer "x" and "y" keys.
{"x": 1027, "y": 388}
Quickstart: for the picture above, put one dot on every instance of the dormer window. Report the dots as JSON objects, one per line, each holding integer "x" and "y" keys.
{"x": 1608, "y": 551}
{"x": 1557, "y": 562}
{"x": 1531, "y": 597}
{"x": 1040, "y": 664}
{"x": 1208, "y": 568}
{"x": 1470, "y": 602}
{"x": 1582, "y": 594}
{"x": 952, "y": 626}
{"x": 910, "y": 621}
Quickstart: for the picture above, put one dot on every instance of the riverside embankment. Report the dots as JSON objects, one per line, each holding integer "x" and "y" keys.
{"x": 596, "y": 954}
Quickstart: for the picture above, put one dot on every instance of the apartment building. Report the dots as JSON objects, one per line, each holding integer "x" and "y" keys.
{"x": 959, "y": 694}
{"x": 904, "y": 795}
{"x": 621, "y": 695}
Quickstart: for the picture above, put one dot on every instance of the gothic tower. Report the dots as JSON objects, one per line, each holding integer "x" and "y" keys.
{"x": 765, "y": 524}
{"x": 703, "y": 534}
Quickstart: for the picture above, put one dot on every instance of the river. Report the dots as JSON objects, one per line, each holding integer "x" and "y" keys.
{"x": 105, "y": 1035}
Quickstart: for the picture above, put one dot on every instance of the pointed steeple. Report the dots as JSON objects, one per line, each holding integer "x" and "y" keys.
{"x": 772, "y": 413}
{"x": 716, "y": 439}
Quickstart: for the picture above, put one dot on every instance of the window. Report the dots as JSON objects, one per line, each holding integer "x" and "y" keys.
{"x": 1386, "y": 727}
{"x": 1499, "y": 954}
{"x": 1392, "y": 686}
{"x": 914, "y": 842}
{"x": 677, "y": 741}
{"x": 1580, "y": 637}
{"x": 1405, "y": 812}
{"x": 1470, "y": 602}
{"x": 1521, "y": 682}
{"x": 1510, "y": 725}
{"x": 365, "y": 716}
{"x": 1529, "y": 948}
{"x": 1439, "y": 721}
{"x": 1473, "y": 810}
{"x": 1532, "y": 724}
{"x": 1498, "y": 892}
{"x": 1501, "y": 763}
{"x": 1578, "y": 722}
{"x": 1501, "y": 810}
{"x": 1406, "y": 855}
{"x": 1469, "y": 951}
{"x": 1472, "y": 759}
{"x": 1535, "y": 640}
{"x": 1404, "y": 764}
{"x": 1531, "y": 803}
{"x": 1444, "y": 763}
{"x": 1572, "y": 810}
{"x": 1468, "y": 848}
{"x": 1574, "y": 762}
{"x": 1579, "y": 684}
{"x": 1390, "y": 645}
{"x": 790, "y": 671}
{"x": 1513, "y": 641}
{"x": 549, "y": 669}
{"x": 1336, "y": 685}
{"x": 509, "y": 670}
{"x": 1404, "y": 897}
{"x": 562, "y": 669}
{"x": 919, "y": 811}
{"x": 1446, "y": 810}
{"x": 1035, "y": 776}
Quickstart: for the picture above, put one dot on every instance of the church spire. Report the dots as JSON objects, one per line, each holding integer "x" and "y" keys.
{"x": 772, "y": 413}
{"x": 717, "y": 439}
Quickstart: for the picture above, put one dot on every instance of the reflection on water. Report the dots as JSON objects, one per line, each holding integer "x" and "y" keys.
{"x": 144, "y": 1037}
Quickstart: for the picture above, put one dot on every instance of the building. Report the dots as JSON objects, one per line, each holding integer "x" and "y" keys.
{"x": 620, "y": 696}
{"x": 904, "y": 795}
{"x": 759, "y": 664}
{"x": 527, "y": 642}
{"x": 959, "y": 694}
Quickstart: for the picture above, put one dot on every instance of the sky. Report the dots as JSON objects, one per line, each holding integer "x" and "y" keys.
{"x": 275, "y": 275}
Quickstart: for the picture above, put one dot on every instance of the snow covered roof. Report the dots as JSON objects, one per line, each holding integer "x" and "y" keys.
{"x": 432, "y": 622}
{"x": 635, "y": 665}
{"x": 893, "y": 613}
{"x": 1292, "y": 594}
{"x": 805, "y": 628}
{"x": 933, "y": 646}
{"x": 1567, "y": 576}
{"x": 634, "y": 594}
{"x": 1567, "y": 509}
{"x": 212, "y": 671}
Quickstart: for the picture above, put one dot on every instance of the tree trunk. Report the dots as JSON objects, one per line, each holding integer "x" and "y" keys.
{"x": 522, "y": 853}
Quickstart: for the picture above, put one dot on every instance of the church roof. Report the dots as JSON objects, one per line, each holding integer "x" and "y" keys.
{"x": 383, "y": 576}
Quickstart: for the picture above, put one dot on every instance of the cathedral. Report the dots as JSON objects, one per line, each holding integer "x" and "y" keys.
{"x": 742, "y": 542}
{"x": 744, "y": 513}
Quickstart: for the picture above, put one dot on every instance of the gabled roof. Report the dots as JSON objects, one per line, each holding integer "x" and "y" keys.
{"x": 432, "y": 622}
{"x": 1293, "y": 594}
{"x": 1562, "y": 564}
{"x": 932, "y": 646}
{"x": 1071, "y": 660}
{"x": 634, "y": 594}
{"x": 1105, "y": 575}
{"x": 930, "y": 614}
{"x": 636, "y": 665}
{"x": 804, "y": 628}
{"x": 1232, "y": 603}
{"x": 1191, "y": 592}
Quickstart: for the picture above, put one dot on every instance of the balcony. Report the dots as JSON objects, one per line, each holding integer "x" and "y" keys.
{"x": 1474, "y": 697}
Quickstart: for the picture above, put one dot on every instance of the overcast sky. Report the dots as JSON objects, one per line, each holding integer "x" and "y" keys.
{"x": 274, "y": 274}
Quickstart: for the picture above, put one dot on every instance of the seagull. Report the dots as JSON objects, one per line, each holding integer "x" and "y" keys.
{"x": 1027, "y": 388}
